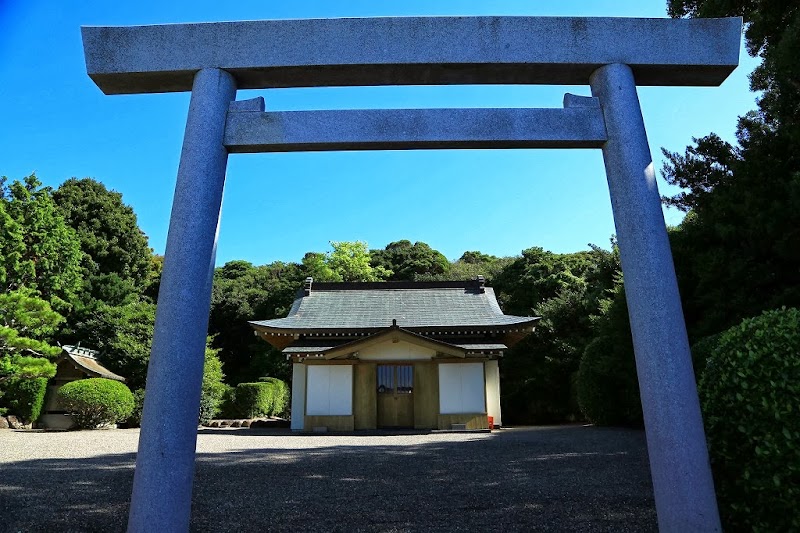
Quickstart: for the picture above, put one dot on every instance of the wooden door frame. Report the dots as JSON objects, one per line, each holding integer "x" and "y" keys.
{"x": 394, "y": 364}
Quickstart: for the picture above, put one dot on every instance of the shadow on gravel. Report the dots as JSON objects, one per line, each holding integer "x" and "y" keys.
{"x": 526, "y": 479}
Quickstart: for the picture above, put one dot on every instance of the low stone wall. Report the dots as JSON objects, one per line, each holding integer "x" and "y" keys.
{"x": 249, "y": 423}
{"x": 12, "y": 422}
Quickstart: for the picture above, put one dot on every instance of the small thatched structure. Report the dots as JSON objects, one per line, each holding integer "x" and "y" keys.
{"x": 74, "y": 363}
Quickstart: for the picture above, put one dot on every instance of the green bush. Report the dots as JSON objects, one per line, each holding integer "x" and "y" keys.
{"x": 254, "y": 400}
{"x": 213, "y": 388}
{"x": 135, "y": 419}
{"x": 608, "y": 390}
{"x": 701, "y": 353}
{"x": 227, "y": 406}
{"x": 750, "y": 395}
{"x": 267, "y": 397}
{"x": 280, "y": 400}
{"x": 25, "y": 397}
{"x": 97, "y": 401}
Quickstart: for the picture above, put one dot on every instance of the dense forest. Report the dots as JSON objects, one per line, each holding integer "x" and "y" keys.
{"x": 76, "y": 268}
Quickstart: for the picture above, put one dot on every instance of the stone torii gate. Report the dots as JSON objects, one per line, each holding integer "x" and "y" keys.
{"x": 612, "y": 55}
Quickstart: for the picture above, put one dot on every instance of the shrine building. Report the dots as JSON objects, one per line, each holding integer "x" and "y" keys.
{"x": 420, "y": 355}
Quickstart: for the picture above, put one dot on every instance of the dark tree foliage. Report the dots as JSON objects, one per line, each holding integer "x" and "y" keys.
{"x": 607, "y": 385}
{"x": 244, "y": 292}
{"x": 538, "y": 374}
{"x": 410, "y": 262}
{"x": 773, "y": 34}
{"x": 704, "y": 166}
{"x": 117, "y": 257}
{"x": 737, "y": 252}
{"x": 469, "y": 266}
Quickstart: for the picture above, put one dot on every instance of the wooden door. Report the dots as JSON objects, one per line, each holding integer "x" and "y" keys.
{"x": 395, "y": 391}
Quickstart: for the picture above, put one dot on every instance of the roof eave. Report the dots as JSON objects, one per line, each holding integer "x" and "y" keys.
{"x": 408, "y": 336}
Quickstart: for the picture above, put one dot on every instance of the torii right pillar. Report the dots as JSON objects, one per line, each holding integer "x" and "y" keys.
{"x": 682, "y": 481}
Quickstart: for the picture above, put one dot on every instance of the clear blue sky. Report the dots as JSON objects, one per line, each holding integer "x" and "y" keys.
{"x": 56, "y": 122}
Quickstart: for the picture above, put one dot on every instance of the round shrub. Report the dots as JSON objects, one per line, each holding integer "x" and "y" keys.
{"x": 96, "y": 401}
{"x": 25, "y": 397}
{"x": 750, "y": 395}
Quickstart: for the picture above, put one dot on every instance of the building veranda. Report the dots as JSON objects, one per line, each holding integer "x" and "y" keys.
{"x": 420, "y": 355}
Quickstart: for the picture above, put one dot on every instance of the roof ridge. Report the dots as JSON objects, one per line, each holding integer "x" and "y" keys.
{"x": 378, "y": 285}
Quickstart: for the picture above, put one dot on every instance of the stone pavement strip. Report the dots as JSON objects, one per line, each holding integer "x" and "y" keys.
{"x": 560, "y": 478}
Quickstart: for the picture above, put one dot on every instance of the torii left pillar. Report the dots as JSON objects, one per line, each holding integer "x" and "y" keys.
{"x": 162, "y": 484}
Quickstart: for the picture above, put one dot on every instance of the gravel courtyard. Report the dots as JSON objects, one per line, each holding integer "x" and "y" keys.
{"x": 566, "y": 478}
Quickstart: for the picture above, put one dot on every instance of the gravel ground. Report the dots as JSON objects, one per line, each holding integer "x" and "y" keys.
{"x": 565, "y": 478}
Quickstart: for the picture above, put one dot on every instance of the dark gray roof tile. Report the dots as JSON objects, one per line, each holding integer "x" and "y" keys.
{"x": 377, "y": 305}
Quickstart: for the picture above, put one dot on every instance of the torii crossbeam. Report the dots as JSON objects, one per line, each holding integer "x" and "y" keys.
{"x": 612, "y": 55}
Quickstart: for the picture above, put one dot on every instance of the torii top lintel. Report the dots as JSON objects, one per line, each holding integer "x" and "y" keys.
{"x": 411, "y": 51}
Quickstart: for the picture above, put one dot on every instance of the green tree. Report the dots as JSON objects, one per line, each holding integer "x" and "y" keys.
{"x": 26, "y": 323}
{"x": 315, "y": 265}
{"x": 12, "y": 246}
{"x": 123, "y": 335}
{"x": 736, "y": 251}
{"x": 607, "y": 384}
{"x": 772, "y": 32}
{"x": 243, "y": 292}
{"x": 347, "y": 261}
{"x": 153, "y": 282}
{"x": 351, "y": 261}
{"x": 213, "y": 387}
{"x": 474, "y": 263}
{"x": 538, "y": 374}
{"x": 117, "y": 258}
{"x": 410, "y": 262}
{"x": 38, "y": 250}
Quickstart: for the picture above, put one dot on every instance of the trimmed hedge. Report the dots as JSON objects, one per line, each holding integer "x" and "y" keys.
{"x": 267, "y": 397}
{"x": 254, "y": 400}
{"x": 280, "y": 400}
{"x": 97, "y": 401}
{"x": 750, "y": 395}
{"x": 25, "y": 397}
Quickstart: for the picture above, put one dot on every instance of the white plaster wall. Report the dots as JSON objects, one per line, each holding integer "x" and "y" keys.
{"x": 330, "y": 390}
{"x": 298, "y": 395}
{"x": 393, "y": 351}
{"x": 341, "y": 390}
{"x": 492, "y": 372}
{"x": 461, "y": 388}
